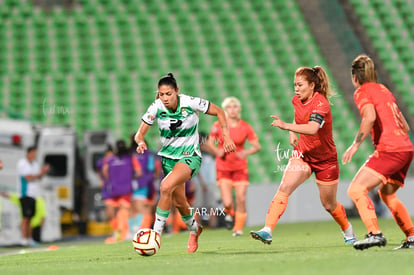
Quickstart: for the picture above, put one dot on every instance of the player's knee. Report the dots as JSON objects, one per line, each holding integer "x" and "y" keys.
{"x": 166, "y": 190}
{"x": 329, "y": 205}
{"x": 356, "y": 191}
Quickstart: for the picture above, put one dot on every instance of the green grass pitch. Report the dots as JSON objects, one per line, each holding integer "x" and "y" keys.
{"x": 297, "y": 248}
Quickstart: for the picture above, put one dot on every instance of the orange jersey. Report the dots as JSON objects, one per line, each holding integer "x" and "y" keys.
{"x": 239, "y": 134}
{"x": 388, "y": 133}
{"x": 320, "y": 147}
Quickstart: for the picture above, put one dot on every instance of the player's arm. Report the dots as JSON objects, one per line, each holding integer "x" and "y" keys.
{"x": 293, "y": 138}
{"x": 44, "y": 170}
{"x": 310, "y": 128}
{"x": 139, "y": 137}
{"x": 368, "y": 119}
{"x": 214, "y": 110}
{"x": 255, "y": 147}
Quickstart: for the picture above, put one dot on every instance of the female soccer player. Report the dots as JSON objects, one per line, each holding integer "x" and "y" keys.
{"x": 314, "y": 151}
{"x": 232, "y": 170}
{"x": 177, "y": 117}
{"x": 388, "y": 165}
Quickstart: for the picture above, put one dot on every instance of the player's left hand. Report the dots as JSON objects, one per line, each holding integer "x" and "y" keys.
{"x": 349, "y": 153}
{"x": 277, "y": 122}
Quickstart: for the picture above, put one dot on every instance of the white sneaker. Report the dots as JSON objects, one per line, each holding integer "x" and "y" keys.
{"x": 24, "y": 242}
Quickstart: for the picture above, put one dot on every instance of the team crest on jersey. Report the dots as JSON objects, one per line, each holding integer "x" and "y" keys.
{"x": 184, "y": 112}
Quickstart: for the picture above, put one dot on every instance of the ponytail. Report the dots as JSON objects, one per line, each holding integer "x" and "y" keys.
{"x": 318, "y": 76}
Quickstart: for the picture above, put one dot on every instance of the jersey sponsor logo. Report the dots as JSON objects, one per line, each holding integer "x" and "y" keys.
{"x": 175, "y": 123}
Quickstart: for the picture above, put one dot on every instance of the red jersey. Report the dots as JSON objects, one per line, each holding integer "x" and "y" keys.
{"x": 320, "y": 147}
{"x": 388, "y": 133}
{"x": 239, "y": 134}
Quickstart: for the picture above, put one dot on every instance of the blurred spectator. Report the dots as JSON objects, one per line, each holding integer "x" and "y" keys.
{"x": 119, "y": 171}
{"x": 141, "y": 186}
{"x": 29, "y": 174}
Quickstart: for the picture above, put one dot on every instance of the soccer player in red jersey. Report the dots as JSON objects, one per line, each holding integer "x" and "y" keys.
{"x": 387, "y": 166}
{"x": 232, "y": 169}
{"x": 314, "y": 152}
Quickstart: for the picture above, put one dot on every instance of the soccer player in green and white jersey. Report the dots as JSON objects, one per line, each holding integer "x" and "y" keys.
{"x": 177, "y": 118}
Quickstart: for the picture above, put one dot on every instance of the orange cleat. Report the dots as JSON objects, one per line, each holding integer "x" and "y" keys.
{"x": 193, "y": 240}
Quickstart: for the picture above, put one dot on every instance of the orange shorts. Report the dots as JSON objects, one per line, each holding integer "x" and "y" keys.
{"x": 326, "y": 173}
{"x": 124, "y": 200}
{"x": 389, "y": 166}
{"x": 235, "y": 178}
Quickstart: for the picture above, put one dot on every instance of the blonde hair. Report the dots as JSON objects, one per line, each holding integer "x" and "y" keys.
{"x": 363, "y": 68}
{"x": 231, "y": 100}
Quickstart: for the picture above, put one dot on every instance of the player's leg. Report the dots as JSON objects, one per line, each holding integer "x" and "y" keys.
{"x": 364, "y": 181}
{"x": 122, "y": 216}
{"x": 297, "y": 171}
{"x": 387, "y": 193}
{"x": 327, "y": 177}
{"x": 179, "y": 174}
{"x": 327, "y": 193}
{"x": 241, "y": 213}
{"x": 225, "y": 184}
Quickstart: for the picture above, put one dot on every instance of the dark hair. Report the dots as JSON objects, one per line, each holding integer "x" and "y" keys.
{"x": 318, "y": 76}
{"x": 121, "y": 148}
{"x": 168, "y": 80}
{"x": 109, "y": 148}
{"x": 31, "y": 148}
{"x": 364, "y": 69}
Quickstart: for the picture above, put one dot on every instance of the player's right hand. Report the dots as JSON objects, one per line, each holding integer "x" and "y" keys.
{"x": 141, "y": 147}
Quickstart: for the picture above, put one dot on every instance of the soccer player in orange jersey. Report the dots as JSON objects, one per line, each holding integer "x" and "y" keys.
{"x": 314, "y": 151}
{"x": 388, "y": 165}
{"x": 232, "y": 169}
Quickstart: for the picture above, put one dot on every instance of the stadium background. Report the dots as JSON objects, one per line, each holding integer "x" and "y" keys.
{"x": 94, "y": 64}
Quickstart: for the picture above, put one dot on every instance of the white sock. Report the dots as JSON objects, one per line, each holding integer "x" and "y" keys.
{"x": 267, "y": 229}
{"x": 192, "y": 225}
{"x": 349, "y": 232}
{"x": 159, "y": 223}
{"x": 410, "y": 239}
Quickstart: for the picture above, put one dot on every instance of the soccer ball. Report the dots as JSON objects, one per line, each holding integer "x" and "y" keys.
{"x": 146, "y": 242}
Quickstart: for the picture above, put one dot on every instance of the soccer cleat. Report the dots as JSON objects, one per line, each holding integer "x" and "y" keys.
{"x": 237, "y": 233}
{"x": 349, "y": 235}
{"x": 405, "y": 244}
{"x": 228, "y": 221}
{"x": 371, "y": 240}
{"x": 262, "y": 236}
{"x": 193, "y": 240}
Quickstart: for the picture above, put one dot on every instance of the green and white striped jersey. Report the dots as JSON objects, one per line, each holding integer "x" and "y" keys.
{"x": 179, "y": 129}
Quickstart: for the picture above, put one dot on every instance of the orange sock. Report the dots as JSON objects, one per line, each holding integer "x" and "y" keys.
{"x": 276, "y": 209}
{"x": 122, "y": 220}
{"x": 114, "y": 224}
{"x": 229, "y": 211}
{"x": 147, "y": 220}
{"x": 178, "y": 223}
{"x": 399, "y": 212}
{"x": 240, "y": 219}
{"x": 366, "y": 210}
{"x": 339, "y": 216}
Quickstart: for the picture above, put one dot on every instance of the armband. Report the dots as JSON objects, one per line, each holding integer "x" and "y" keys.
{"x": 317, "y": 118}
